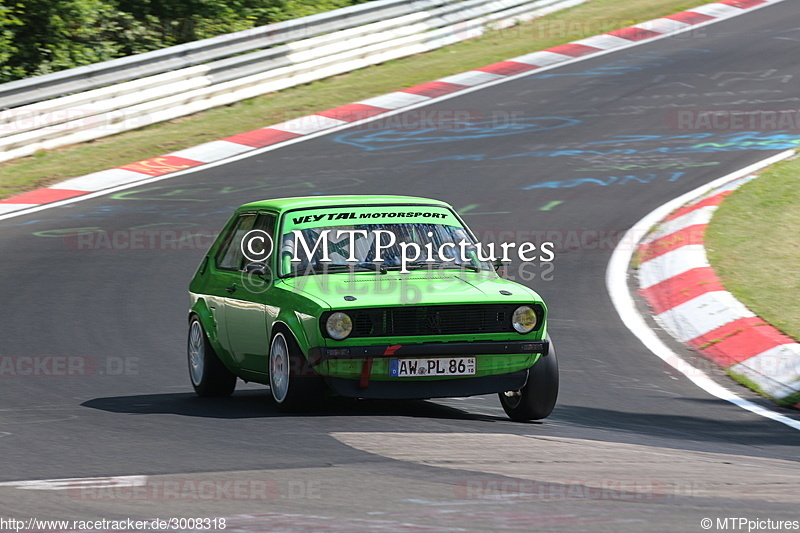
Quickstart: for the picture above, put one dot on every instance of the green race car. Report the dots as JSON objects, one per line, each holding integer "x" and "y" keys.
{"x": 365, "y": 297}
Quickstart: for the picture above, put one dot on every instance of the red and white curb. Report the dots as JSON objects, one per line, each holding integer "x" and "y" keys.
{"x": 619, "y": 290}
{"x": 373, "y": 108}
{"x": 690, "y": 303}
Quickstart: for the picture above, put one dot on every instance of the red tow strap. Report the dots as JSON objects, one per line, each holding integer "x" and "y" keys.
{"x": 365, "y": 372}
{"x": 366, "y": 369}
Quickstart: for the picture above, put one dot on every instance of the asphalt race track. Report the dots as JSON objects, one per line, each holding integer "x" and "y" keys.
{"x": 577, "y": 154}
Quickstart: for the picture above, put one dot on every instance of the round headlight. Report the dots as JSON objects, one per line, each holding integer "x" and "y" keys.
{"x": 339, "y": 325}
{"x": 524, "y": 319}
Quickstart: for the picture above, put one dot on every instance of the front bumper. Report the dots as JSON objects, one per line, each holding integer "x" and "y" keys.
{"x": 317, "y": 355}
{"x": 499, "y": 380}
{"x": 420, "y": 390}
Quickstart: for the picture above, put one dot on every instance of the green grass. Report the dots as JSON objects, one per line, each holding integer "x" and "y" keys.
{"x": 747, "y": 382}
{"x": 790, "y": 401}
{"x": 592, "y": 18}
{"x": 753, "y": 244}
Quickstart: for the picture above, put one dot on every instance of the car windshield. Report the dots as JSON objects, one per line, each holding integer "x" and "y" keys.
{"x": 307, "y": 248}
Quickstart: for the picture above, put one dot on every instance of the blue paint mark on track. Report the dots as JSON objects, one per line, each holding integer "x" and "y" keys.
{"x": 732, "y": 142}
{"x": 450, "y": 132}
{"x": 604, "y": 181}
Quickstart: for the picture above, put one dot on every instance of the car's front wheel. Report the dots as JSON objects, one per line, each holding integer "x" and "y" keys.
{"x": 294, "y": 385}
{"x": 209, "y": 376}
{"x": 537, "y": 398}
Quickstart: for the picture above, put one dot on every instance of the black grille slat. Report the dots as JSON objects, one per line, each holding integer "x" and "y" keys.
{"x": 433, "y": 320}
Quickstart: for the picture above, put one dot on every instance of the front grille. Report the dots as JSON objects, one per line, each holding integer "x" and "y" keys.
{"x": 433, "y": 320}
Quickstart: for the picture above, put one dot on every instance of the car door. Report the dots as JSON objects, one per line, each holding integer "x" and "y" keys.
{"x": 248, "y": 316}
{"x": 225, "y": 265}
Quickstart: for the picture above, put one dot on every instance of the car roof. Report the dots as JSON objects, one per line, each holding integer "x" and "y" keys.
{"x": 306, "y": 202}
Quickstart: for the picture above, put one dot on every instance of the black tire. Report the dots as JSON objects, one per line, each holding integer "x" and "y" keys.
{"x": 208, "y": 375}
{"x": 295, "y": 386}
{"x": 537, "y": 398}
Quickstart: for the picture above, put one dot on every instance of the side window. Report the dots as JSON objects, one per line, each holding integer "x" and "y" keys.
{"x": 229, "y": 256}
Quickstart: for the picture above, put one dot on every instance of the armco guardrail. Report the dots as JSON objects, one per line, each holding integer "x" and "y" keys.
{"x": 136, "y": 91}
{"x": 18, "y": 93}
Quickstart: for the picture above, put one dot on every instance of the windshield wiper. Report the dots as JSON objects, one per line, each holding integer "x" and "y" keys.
{"x": 326, "y": 268}
{"x": 447, "y": 265}
{"x": 377, "y": 267}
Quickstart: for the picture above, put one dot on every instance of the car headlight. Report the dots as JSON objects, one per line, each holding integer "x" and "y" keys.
{"x": 339, "y": 325}
{"x": 524, "y": 319}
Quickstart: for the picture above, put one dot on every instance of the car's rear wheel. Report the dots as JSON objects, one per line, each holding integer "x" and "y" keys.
{"x": 537, "y": 398}
{"x": 209, "y": 376}
{"x": 294, "y": 385}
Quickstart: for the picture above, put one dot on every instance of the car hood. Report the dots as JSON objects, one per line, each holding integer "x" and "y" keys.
{"x": 371, "y": 289}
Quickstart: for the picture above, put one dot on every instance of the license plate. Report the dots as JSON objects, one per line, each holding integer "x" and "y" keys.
{"x": 439, "y": 366}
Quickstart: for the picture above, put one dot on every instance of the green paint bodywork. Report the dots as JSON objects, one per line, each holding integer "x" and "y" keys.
{"x": 294, "y": 304}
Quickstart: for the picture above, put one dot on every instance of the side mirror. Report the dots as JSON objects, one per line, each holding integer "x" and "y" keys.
{"x": 259, "y": 269}
{"x": 499, "y": 267}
